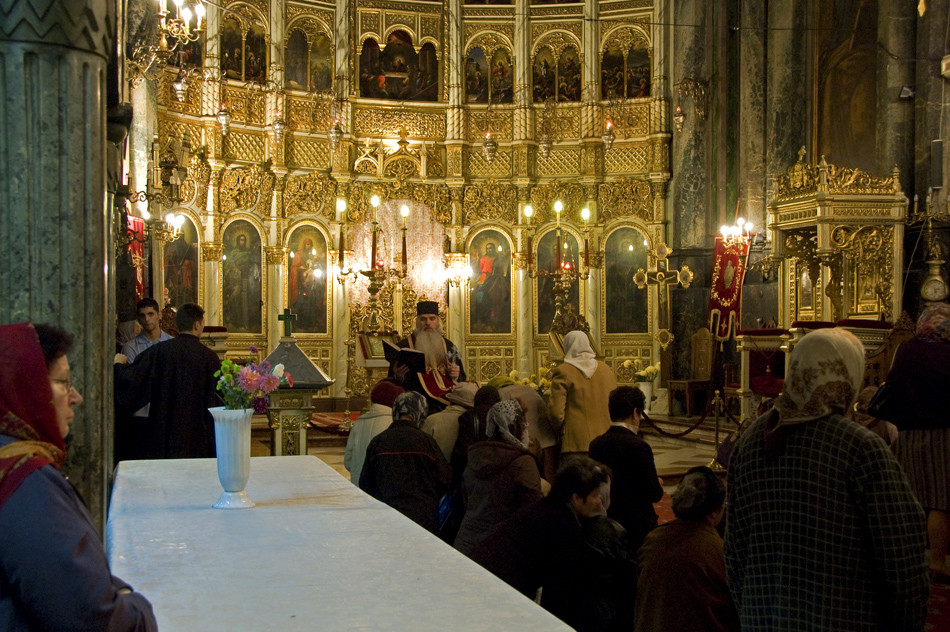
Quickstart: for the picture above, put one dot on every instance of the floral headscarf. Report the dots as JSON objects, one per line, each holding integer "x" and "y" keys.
{"x": 411, "y": 406}
{"x": 934, "y": 323}
{"x": 824, "y": 377}
{"x": 503, "y": 418}
{"x": 26, "y": 409}
{"x": 578, "y": 352}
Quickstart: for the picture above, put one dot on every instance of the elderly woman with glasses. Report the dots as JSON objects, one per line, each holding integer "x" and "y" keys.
{"x": 53, "y": 569}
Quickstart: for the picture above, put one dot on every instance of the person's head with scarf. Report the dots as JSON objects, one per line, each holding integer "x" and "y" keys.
{"x": 36, "y": 400}
{"x": 582, "y": 484}
{"x": 579, "y": 353}
{"x": 507, "y": 423}
{"x": 824, "y": 377}
{"x": 933, "y": 324}
{"x": 410, "y": 406}
{"x": 699, "y": 496}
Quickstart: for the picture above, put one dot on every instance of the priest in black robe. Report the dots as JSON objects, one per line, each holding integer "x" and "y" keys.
{"x": 177, "y": 378}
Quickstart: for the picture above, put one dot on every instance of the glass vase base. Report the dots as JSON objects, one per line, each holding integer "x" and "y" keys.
{"x": 233, "y": 500}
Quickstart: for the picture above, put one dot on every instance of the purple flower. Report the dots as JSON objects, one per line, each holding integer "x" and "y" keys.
{"x": 254, "y": 349}
{"x": 260, "y": 405}
{"x": 269, "y": 382}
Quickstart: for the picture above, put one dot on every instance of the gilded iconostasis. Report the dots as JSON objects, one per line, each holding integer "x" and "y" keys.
{"x": 273, "y": 132}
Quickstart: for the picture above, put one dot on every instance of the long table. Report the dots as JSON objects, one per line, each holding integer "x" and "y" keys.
{"x": 316, "y": 553}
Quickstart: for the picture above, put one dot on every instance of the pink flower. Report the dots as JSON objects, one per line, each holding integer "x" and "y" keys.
{"x": 269, "y": 382}
{"x": 249, "y": 379}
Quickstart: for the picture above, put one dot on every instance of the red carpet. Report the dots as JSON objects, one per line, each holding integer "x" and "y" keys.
{"x": 938, "y": 611}
{"x": 664, "y": 509}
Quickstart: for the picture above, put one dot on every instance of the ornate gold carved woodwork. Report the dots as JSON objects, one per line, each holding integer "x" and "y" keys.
{"x": 408, "y": 307}
{"x": 625, "y": 38}
{"x": 560, "y": 162}
{"x": 260, "y": 5}
{"x": 194, "y": 189}
{"x": 592, "y": 161}
{"x": 315, "y": 24}
{"x": 381, "y": 122}
{"x": 430, "y": 28}
{"x": 295, "y": 10}
{"x": 626, "y": 197}
{"x": 557, "y": 11}
{"x": 520, "y": 260}
{"x": 182, "y": 130}
{"x": 370, "y": 24}
{"x": 557, "y": 36}
{"x": 597, "y": 259}
{"x": 211, "y": 250}
{"x": 402, "y": 21}
{"x": 660, "y": 154}
{"x": 478, "y": 121}
{"x": 490, "y": 200}
{"x": 246, "y": 147}
{"x": 805, "y": 179}
{"x": 633, "y": 4}
{"x": 275, "y": 255}
{"x": 247, "y": 106}
{"x": 431, "y": 194}
{"x": 629, "y": 119}
{"x": 246, "y": 189}
{"x": 868, "y": 254}
{"x": 543, "y": 196}
{"x": 489, "y": 38}
{"x": 489, "y": 359}
{"x": 630, "y": 159}
{"x": 164, "y": 97}
{"x": 479, "y": 167}
{"x": 302, "y": 152}
{"x": 313, "y": 194}
{"x": 311, "y": 114}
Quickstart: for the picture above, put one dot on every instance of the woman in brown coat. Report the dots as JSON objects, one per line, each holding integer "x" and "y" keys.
{"x": 580, "y": 387}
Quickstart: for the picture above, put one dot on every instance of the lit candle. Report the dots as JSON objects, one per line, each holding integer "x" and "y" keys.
{"x": 585, "y": 215}
{"x": 558, "y": 206}
{"x": 558, "y": 249}
{"x": 342, "y": 245}
{"x": 404, "y": 211}
{"x": 373, "y": 253}
{"x": 530, "y": 253}
{"x": 200, "y": 12}
{"x": 375, "y": 202}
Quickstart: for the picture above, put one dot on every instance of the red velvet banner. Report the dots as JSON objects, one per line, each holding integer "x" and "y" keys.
{"x": 137, "y": 250}
{"x": 725, "y": 298}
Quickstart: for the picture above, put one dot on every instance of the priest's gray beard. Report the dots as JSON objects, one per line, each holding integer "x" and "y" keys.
{"x": 430, "y": 343}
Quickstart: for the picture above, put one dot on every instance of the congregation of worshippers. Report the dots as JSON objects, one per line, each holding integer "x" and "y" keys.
{"x": 555, "y": 494}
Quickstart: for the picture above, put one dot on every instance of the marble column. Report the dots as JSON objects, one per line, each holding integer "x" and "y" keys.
{"x": 211, "y": 252}
{"x": 751, "y": 129}
{"x": 276, "y": 265}
{"x": 56, "y": 231}
{"x": 896, "y": 26}
{"x": 524, "y": 320}
{"x": 932, "y": 102}
{"x": 341, "y": 332}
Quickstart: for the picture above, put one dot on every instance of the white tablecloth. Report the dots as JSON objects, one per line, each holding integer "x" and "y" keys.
{"x": 316, "y": 553}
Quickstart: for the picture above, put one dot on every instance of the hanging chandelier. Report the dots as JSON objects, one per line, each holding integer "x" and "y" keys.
{"x": 609, "y": 136}
{"x": 490, "y": 148}
{"x": 173, "y": 34}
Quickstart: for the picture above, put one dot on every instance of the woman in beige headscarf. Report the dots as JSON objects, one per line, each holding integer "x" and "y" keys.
{"x": 579, "y": 391}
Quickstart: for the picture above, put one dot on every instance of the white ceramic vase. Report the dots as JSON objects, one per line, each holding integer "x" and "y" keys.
{"x": 647, "y": 388}
{"x": 232, "y": 438}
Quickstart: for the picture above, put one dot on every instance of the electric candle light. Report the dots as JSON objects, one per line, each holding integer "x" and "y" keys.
{"x": 585, "y": 215}
{"x": 528, "y": 212}
{"x": 557, "y": 212}
{"x": 200, "y": 12}
{"x": 404, "y": 211}
{"x": 375, "y": 202}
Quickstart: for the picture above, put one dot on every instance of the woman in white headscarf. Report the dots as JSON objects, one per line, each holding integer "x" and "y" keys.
{"x": 819, "y": 511}
{"x": 579, "y": 391}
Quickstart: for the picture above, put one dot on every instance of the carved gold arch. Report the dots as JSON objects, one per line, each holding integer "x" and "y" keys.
{"x": 312, "y": 194}
{"x": 247, "y": 190}
{"x": 489, "y": 42}
{"x": 401, "y": 26}
{"x": 194, "y": 190}
{"x": 310, "y": 26}
{"x": 434, "y": 195}
{"x": 247, "y": 12}
{"x": 624, "y": 196}
{"x": 626, "y": 38}
{"x": 490, "y": 200}
{"x": 557, "y": 41}
{"x": 543, "y": 197}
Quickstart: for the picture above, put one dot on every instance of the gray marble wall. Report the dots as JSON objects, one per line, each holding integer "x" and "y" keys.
{"x": 56, "y": 232}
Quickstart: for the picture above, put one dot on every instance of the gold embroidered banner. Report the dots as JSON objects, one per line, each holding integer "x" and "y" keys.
{"x": 725, "y": 299}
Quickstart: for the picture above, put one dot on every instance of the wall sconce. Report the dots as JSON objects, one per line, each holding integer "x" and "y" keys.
{"x": 544, "y": 145}
{"x": 679, "y": 117}
{"x": 224, "y": 119}
{"x": 609, "y": 136}
{"x": 490, "y": 148}
{"x": 741, "y": 232}
{"x": 457, "y": 270}
{"x": 180, "y": 86}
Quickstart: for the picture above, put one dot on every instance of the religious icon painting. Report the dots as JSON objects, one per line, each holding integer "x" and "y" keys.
{"x": 502, "y": 77}
{"x": 295, "y": 58}
{"x": 232, "y": 49}
{"x": 546, "y": 258}
{"x": 307, "y": 280}
{"x": 425, "y": 83}
{"x": 625, "y": 252}
{"x": 255, "y": 54}
{"x": 476, "y": 77}
{"x": 490, "y": 298}
{"x": 569, "y": 75}
{"x": 241, "y": 288}
{"x": 638, "y": 73}
{"x": 612, "y": 73}
{"x": 181, "y": 266}
{"x": 321, "y": 63}
{"x": 543, "y": 72}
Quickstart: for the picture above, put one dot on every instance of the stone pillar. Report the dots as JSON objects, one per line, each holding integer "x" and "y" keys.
{"x": 57, "y": 246}
{"x": 896, "y": 27}
{"x": 932, "y": 101}
{"x": 341, "y": 332}
{"x": 211, "y": 252}
{"x": 452, "y": 57}
{"x": 786, "y": 122}
{"x": 455, "y": 315}
{"x": 524, "y": 320}
{"x": 751, "y": 129}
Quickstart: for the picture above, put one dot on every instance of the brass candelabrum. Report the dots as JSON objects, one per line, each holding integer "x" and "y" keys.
{"x": 564, "y": 273}
{"x": 379, "y": 274}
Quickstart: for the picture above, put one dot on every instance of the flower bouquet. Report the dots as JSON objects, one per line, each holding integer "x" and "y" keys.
{"x": 647, "y": 373}
{"x": 247, "y": 386}
{"x": 541, "y": 385}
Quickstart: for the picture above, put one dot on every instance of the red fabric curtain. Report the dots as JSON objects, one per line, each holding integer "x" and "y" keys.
{"x": 725, "y": 298}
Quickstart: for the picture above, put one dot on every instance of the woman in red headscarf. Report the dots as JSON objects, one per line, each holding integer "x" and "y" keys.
{"x": 53, "y": 569}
